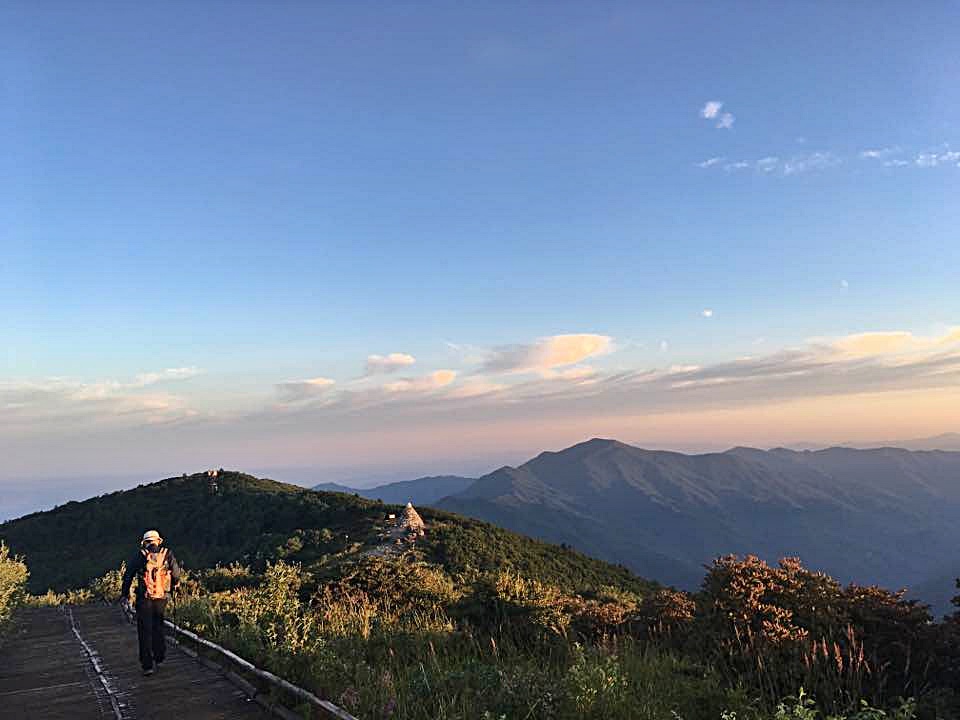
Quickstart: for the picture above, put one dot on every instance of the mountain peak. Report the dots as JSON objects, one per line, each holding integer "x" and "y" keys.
{"x": 594, "y": 445}
{"x": 578, "y": 451}
{"x": 744, "y": 450}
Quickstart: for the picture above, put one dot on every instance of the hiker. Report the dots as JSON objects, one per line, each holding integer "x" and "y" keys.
{"x": 158, "y": 573}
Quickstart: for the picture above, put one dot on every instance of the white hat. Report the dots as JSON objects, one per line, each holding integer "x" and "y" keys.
{"x": 152, "y": 536}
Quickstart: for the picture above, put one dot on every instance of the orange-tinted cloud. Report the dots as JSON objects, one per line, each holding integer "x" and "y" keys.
{"x": 546, "y": 353}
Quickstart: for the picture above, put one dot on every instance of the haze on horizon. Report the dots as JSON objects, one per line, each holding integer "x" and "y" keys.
{"x": 389, "y": 239}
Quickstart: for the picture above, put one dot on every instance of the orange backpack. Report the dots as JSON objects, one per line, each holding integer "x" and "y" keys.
{"x": 156, "y": 575}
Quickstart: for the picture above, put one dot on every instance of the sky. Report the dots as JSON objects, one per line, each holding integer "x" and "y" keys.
{"x": 334, "y": 240}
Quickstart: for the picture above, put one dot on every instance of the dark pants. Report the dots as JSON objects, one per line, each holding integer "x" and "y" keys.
{"x": 150, "y": 631}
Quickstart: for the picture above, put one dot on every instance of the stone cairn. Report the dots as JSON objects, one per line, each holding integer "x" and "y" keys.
{"x": 411, "y": 522}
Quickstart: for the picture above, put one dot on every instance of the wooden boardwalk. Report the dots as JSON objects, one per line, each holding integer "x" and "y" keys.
{"x": 82, "y": 664}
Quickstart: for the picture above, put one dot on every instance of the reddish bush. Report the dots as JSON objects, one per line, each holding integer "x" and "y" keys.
{"x": 787, "y": 627}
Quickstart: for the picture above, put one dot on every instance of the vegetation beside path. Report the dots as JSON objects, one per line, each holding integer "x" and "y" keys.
{"x": 402, "y": 638}
{"x": 13, "y": 581}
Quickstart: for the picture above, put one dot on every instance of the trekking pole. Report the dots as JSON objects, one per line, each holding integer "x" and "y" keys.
{"x": 176, "y": 626}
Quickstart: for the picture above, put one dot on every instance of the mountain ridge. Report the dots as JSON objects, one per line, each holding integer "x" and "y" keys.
{"x": 420, "y": 491}
{"x": 884, "y": 515}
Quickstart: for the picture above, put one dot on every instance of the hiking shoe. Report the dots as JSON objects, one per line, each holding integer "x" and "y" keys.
{"x": 148, "y": 671}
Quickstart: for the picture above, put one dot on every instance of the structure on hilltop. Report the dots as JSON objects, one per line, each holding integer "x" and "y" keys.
{"x": 411, "y": 521}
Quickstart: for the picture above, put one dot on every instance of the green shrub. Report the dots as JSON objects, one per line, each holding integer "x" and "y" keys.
{"x": 528, "y": 609}
{"x": 596, "y": 683}
{"x": 227, "y": 577}
{"x": 13, "y": 580}
{"x": 803, "y": 707}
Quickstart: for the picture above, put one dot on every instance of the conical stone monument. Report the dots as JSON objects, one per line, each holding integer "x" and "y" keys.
{"x": 411, "y": 521}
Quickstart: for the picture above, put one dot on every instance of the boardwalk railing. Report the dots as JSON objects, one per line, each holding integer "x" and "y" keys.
{"x": 326, "y": 707}
{"x": 98, "y": 670}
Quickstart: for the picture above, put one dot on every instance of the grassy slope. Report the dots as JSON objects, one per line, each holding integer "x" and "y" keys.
{"x": 250, "y": 519}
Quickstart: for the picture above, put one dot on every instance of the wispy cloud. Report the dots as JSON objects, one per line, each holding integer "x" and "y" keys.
{"x": 772, "y": 164}
{"x": 708, "y": 313}
{"x": 768, "y": 164}
{"x": 475, "y": 388}
{"x": 812, "y": 161}
{"x": 433, "y": 381}
{"x": 876, "y": 344}
{"x": 725, "y": 122}
{"x": 879, "y": 153}
{"x": 711, "y": 111}
{"x": 935, "y": 159}
{"x": 547, "y": 353}
{"x": 576, "y": 373}
{"x": 33, "y": 405}
{"x": 170, "y": 374}
{"x": 926, "y": 159}
{"x": 892, "y": 156}
{"x": 383, "y": 364}
{"x": 294, "y": 391}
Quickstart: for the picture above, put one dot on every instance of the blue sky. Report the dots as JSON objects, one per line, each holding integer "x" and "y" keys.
{"x": 204, "y": 204}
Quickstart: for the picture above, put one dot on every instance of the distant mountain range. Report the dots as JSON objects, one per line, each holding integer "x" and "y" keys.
{"x": 422, "y": 491}
{"x": 888, "y": 516}
{"x": 946, "y": 441}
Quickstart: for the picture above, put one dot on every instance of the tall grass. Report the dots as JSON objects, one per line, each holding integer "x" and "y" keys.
{"x": 104, "y": 588}
{"x": 783, "y": 627}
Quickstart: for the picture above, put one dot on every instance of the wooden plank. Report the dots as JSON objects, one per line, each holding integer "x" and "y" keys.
{"x": 42, "y": 670}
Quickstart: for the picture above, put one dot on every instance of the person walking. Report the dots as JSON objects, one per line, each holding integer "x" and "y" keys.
{"x": 157, "y": 573}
